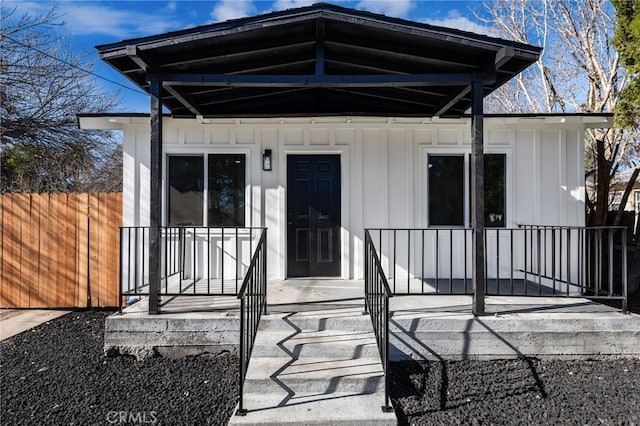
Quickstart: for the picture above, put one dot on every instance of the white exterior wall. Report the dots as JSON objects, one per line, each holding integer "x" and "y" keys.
{"x": 382, "y": 167}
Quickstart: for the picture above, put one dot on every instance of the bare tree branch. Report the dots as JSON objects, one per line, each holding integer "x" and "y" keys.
{"x": 43, "y": 86}
{"x": 579, "y": 71}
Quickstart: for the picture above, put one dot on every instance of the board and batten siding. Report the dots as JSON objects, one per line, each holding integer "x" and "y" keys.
{"x": 383, "y": 169}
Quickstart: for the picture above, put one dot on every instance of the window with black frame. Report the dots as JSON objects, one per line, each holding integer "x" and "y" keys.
{"x": 223, "y": 190}
{"x": 446, "y": 190}
{"x": 495, "y": 190}
{"x": 226, "y": 202}
{"x": 186, "y": 190}
{"x": 447, "y": 193}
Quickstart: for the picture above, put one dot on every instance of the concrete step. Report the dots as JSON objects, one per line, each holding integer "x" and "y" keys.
{"x": 313, "y": 376}
{"x": 570, "y": 335}
{"x": 315, "y": 365}
{"x": 539, "y": 322}
{"x": 336, "y": 344}
{"x": 351, "y": 319}
{"x": 145, "y": 335}
{"x": 281, "y": 408}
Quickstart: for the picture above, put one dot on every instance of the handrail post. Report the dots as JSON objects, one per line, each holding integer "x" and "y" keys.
{"x": 120, "y": 281}
{"x": 387, "y": 406}
{"x": 377, "y": 294}
{"x": 367, "y": 242}
{"x": 264, "y": 270}
{"x": 253, "y": 303}
{"x": 625, "y": 290}
{"x": 241, "y": 410}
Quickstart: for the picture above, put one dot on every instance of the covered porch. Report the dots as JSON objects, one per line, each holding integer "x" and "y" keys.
{"x": 317, "y": 61}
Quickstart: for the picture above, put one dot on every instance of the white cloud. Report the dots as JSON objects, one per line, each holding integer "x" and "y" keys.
{"x": 26, "y": 7}
{"x": 98, "y": 19}
{"x": 455, "y": 20}
{"x": 83, "y": 18}
{"x": 395, "y": 8}
{"x": 171, "y": 6}
{"x": 231, "y": 9}
{"x": 290, "y": 4}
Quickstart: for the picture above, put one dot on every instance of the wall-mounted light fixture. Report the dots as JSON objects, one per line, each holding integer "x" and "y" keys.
{"x": 266, "y": 160}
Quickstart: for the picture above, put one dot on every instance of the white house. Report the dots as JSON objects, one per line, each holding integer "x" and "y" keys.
{"x": 320, "y": 122}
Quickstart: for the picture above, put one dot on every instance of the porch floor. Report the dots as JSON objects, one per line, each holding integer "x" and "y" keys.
{"x": 298, "y": 292}
{"x": 422, "y": 327}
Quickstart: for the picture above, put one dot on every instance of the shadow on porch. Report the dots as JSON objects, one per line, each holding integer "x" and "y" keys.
{"x": 421, "y": 326}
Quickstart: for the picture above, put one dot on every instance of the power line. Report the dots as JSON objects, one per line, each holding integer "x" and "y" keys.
{"x": 74, "y": 66}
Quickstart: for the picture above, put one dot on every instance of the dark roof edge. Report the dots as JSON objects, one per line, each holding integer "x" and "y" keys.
{"x": 315, "y": 8}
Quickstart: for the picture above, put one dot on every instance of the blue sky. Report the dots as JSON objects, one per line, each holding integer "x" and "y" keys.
{"x": 90, "y": 23}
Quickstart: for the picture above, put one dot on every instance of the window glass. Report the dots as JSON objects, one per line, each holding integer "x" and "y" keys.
{"x": 186, "y": 190}
{"x": 495, "y": 190}
{"x": 226, "y": 189}
{"x": 446, "y": 190}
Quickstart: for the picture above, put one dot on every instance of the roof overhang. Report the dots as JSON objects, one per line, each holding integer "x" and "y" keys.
{"x": 318, "y": 60}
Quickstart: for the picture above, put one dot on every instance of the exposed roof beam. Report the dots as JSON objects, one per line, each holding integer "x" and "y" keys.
{"x": 147, "y": 64}
{"x": 503, "y": 56}
{"x": 320, "y": 35}
{"x": 454, "y": 100}
{"x": 340, "y": 81}
{"x": 252, "y": 96}
{"x": 348, "y": 64}
{"x": 142, "y": 60}
{"x": 244, "y": 54}
{"x": 386, "y": 52}
{"x": 379, "y": 96}
{"x": 185, "y": 100}
{"x": 421, "y": 91}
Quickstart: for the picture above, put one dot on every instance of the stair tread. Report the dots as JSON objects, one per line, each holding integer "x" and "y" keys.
{"x": 291, "y": 337}
{"x": 316, "y": 366}
{"x": 312, "y": 368}
{"x": 332, "y": 408}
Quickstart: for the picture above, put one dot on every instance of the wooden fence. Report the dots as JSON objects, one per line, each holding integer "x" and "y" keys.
{"x": 59, "y": 250}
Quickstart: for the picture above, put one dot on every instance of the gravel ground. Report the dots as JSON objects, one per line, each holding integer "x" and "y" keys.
{"x": 517, "y": 392}
{"x": 56, "y": 374}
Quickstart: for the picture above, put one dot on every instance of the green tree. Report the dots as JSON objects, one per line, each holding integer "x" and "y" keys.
{"x": 626, "y": 40}
{"x": 43, "y": 86}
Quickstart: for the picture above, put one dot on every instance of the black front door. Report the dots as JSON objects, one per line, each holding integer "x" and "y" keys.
{"x": 313, "y": 215}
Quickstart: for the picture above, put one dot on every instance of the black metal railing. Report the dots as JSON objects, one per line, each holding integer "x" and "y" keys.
{"x": 530, "y": 260}
{"x": 377, "y": 294}
{"x": 588, "y": 261}
{"x": 194, "y": 260}
{"x": 253, "y": 303}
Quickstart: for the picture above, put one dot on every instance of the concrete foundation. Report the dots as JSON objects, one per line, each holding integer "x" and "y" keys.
{"x": 187, "y": 326}
{"x": 422, "y": 327}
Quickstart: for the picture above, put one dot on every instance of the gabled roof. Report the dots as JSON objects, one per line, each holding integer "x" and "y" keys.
{"x": 318, "y": 60}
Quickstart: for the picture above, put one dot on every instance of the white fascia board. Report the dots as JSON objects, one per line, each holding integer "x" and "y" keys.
{"x": 584, "y": 121}
{"x": 110, "y": 122}
{"x": 114, "y": 122}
